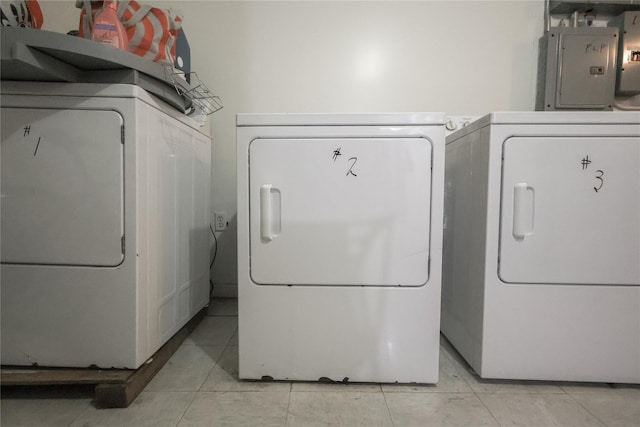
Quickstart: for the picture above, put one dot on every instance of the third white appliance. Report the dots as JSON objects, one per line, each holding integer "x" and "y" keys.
{"x": 541, "y": 270}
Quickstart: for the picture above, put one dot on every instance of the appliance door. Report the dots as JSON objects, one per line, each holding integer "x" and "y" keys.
{"x": 62, "y": 187}
{"x": 570, "y": 210}
{"x": 340, "y": 211}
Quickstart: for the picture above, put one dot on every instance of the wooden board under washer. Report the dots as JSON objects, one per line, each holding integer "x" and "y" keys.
{"x": 115, "y": 388}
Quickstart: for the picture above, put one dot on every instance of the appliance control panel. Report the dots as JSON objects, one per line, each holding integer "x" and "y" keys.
{"x": 454, "y": 123}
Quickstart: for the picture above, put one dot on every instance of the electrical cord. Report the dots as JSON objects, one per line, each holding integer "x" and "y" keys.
{"x": 215, "y": 253}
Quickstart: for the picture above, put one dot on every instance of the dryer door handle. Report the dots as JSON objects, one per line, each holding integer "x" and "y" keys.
{"x": 523, "y": 210}
{"x": 266, "y": 233}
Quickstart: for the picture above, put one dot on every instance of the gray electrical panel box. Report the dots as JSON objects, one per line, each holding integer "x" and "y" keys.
{"x": 576, "y": 68}
{"x": 628, "y": 69}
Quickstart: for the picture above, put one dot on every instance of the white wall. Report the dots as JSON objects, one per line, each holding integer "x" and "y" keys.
{"x": 460, "y": 57}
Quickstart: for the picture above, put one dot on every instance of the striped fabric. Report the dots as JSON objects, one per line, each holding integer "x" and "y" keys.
{"x": 152, "y": 31}
{"x": 20, "y": 13}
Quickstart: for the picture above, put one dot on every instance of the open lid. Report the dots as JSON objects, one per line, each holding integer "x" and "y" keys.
{"x": 45, "y": 56}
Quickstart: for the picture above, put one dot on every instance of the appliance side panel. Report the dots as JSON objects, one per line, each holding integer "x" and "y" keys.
{"x": 174, "y": 172}
{"x": 464, "y": 242}
{"x": 139, "y": 243}
{"x": 200, "y": 243}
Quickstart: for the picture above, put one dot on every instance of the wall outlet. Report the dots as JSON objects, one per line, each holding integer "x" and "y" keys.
{"x": 220, "y": 221}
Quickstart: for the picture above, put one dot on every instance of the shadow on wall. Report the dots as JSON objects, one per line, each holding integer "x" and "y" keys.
{"x": 224, "y": 271}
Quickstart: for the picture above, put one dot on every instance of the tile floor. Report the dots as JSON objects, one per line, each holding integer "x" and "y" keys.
{"x": 199, "y": 386}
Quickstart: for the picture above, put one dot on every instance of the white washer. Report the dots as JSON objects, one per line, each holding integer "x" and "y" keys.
{"x": 541, "y": 270}
{"x": 339, "y": 246}
{"x": 105, "y": 224}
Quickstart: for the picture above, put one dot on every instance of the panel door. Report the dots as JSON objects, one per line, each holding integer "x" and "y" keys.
{"x": 571, "y": 210}
{"x": 586, "y": 61}
{"x": 62, "y": 187}
{"x": 341, "y": 212}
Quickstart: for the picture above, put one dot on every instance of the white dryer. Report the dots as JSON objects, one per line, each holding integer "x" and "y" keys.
{"x": 105, "y": 224}
{"x": 339, "y": 246}
{"x": 541, "y": 270}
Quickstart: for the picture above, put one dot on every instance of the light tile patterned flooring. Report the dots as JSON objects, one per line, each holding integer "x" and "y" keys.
{"x": 199, "y": 386}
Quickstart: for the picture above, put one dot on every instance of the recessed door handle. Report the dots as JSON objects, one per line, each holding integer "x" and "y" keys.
{"x": 266, "y": 233}
{"x": 523, "y": 210}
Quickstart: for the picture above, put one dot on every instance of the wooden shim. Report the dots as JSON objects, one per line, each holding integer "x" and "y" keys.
{"x": 109, "y": 395}
{"x": 115, "y": 388}
{"x": 61, "y": 376}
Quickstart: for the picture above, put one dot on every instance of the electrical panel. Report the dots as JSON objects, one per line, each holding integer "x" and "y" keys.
{"x": 576, "y": 68}
{"x": 628, "y": 67}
